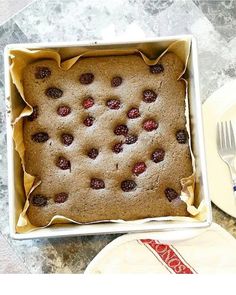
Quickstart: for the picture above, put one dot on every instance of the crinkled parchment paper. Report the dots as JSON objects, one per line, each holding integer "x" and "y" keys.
{"x": 66, "y": 58}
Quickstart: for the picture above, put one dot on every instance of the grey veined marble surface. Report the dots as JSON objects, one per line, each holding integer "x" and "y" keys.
{"x": 211, "y": 22}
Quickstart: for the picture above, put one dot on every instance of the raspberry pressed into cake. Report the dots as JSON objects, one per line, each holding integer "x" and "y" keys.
{"x": 106, "y": 138}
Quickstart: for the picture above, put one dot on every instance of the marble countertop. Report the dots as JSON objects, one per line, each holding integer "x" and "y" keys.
{"x": 211, "y": 22}
{"x": 9, "y": 8}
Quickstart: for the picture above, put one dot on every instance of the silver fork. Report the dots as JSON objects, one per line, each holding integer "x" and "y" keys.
{"x": 227, "y": 148}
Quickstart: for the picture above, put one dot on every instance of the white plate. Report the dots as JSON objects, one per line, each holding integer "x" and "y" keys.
{"x": 127, "y": 254}
{"x": 221, "y": 105}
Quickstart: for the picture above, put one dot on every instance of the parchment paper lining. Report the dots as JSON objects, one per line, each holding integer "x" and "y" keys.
{"x": 21, "y": 58}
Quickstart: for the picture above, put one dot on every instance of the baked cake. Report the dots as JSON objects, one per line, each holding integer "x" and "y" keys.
{"x": 106, "y": 138}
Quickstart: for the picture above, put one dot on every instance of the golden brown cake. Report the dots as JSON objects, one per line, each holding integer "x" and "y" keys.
{"x": 106, "y": 138}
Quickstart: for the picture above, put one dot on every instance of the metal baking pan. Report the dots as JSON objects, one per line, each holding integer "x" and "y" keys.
{"x": 16, "y": 201}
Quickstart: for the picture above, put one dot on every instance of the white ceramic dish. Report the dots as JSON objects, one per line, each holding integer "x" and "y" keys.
{"x": 101, "y": 228}
{"x": 221, "y": 105}
{"x": 128, "y": 255}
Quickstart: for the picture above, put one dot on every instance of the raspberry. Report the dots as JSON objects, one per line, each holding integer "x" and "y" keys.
{"x": 63, "y": 111}
{"x": 133, "y": 113}
{"x": 63, "y": 163}
{"x": 38, "y": 200}
{"x": 150, "y": 125}
{"x": 40, "y": 137}
{"x": 88, "y": 102}
{"x": 96, "y": 183}
{"x": 121, "y": 130}
{"x": 149, "y": 96}
{"x": 42, "y": 72}
{"x": 34, "y": 114}
{"x": 86, "y": 78}
{"x": 139, "y": 168}
{"x": 116, "y": 81}
{"x": 158, "y": 155}
{"x": 131, "y": 138}
{"x": 60, "y": 198}
{"x": 117, "y": 148}
{"x": 171, "y": 194}
{"x": 113, "y": 104}
{"x": 181, "y": 136}
{"x": 67, "y": 139}
{"x": 156, "y": 69}
{"x": 128, "y": 185}
{"x": 93, "y": 153}
{"x": 54, "y": 92}
{"x": 89, "y": 121}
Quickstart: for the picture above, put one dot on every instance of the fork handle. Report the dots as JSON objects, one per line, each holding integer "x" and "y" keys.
{"x": 233, "y": 174}
{"x": 234, "y": 186}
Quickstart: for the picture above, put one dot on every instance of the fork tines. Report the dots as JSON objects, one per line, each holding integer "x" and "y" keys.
{"x": 225, "y": 137}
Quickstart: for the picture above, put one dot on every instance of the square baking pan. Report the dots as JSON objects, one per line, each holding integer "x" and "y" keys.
{"x": 16, "y": 201}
